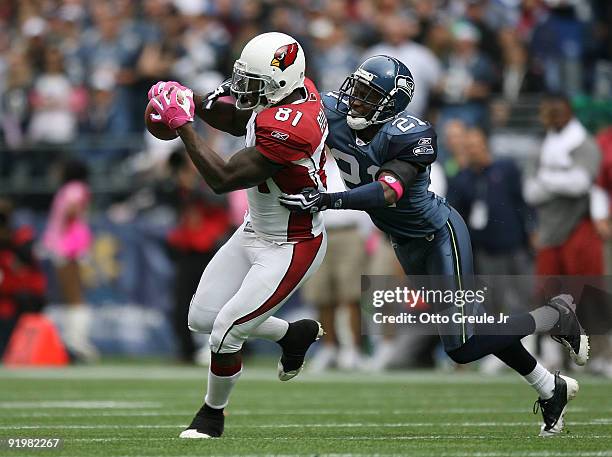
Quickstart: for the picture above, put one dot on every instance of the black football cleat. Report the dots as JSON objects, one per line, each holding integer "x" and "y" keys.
{"x": 553, "y": 409}
{"x": 300, "y": 335}
{"x": 207, "y": 423}
{"x": 568, "y": 331}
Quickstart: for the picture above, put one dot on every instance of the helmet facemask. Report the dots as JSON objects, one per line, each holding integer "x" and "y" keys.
{"x": 368, "y": 104}
{"x": 252, "y": 90}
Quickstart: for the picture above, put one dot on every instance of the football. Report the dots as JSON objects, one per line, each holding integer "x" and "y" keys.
{"x": 157, "y": 129}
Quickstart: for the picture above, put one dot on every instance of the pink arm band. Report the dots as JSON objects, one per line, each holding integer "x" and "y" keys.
{"x": 393, "y": 184}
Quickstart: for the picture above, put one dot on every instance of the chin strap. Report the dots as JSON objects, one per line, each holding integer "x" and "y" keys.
{"x": 357, "y": 123}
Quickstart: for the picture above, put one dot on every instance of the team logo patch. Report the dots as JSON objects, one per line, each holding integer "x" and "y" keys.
{"x": 285, "y": 56}
{"x": 424, "y": 141}
{"x": 423, "y": 150}
{"x": 279, "y": 135}
{"x": 389, "y": 179}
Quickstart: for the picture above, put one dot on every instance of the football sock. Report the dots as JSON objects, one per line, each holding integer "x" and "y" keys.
{"x": 542, "y": 380}
{"x": 545, "y": 318}
{"x": 221, "y": 381}
{"x": 272, "y": 329}
{"x": 477, "y": 346}
{"x": 517, "y": 358}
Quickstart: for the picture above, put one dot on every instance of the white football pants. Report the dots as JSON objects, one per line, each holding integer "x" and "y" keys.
{"x": 246, "y": 282}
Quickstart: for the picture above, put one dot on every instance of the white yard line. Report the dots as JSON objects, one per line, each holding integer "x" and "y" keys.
{"x": 445, "y": 454}
{"x": 263, "y": 412}
{"x": 78, "y": 404}
{"x": 402, "y": 438}
{"x": 159, "y": 372}
{"x": 594, "y": 422}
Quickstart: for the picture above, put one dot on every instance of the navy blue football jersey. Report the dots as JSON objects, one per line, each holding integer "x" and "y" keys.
{"x": 419, "y": 212}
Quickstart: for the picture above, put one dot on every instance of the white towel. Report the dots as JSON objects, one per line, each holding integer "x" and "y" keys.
{"x": 558, "y": 145}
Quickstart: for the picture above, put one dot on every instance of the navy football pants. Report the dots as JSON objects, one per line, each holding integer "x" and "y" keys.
{"x": 448, "y": 252}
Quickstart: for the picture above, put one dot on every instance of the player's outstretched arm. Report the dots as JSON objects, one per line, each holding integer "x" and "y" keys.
{"x": 394, "y": 176}
{"x": 221, "y": 115}
{"x": 247, "y": 168}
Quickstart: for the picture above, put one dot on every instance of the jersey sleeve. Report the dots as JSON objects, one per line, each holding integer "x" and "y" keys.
{"x": 278, "y": 144}
{"x": 420, "y": 149}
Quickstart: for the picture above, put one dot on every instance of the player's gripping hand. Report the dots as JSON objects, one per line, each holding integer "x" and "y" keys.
{"x": 222, "y": 91}
{"x": 160, "y": 86}
{"x": 175, "y": 107}
{"x": 310, "y": 200}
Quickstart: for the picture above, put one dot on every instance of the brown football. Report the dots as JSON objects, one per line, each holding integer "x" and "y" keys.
{"x": 158, "y": 129}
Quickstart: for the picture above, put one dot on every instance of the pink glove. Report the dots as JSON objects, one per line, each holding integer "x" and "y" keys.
{"x": 160, "y": 86}
{"x": 175, "y": 107}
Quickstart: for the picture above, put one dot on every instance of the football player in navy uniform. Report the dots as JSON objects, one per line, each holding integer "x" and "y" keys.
{"x": 384, "y": 155}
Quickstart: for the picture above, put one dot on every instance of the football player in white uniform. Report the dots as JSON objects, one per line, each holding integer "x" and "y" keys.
{"x": 275, "y": 250}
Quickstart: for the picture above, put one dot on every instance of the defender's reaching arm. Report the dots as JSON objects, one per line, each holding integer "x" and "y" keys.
{"x": 393, "y": 178}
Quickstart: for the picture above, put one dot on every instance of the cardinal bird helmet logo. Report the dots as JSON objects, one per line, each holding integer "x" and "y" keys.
{"x": 285, "y": 56}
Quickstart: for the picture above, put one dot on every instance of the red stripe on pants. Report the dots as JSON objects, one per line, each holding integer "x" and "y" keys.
{"x": 303, "y": 256}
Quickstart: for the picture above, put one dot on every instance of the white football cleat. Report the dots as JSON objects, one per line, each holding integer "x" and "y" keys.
{"x": 192, "y": 433}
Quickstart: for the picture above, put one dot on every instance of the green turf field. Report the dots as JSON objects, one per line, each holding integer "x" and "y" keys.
{"x": 131, "y": 410}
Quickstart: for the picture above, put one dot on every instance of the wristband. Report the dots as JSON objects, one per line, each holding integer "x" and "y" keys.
{"x": 394, "y": 184}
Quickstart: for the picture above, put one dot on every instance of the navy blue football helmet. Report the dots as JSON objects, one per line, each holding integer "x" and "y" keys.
{"x": 376, "y": 92}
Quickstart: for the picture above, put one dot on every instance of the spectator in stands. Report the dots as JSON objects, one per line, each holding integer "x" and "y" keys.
{"x": 202, "y": 228}
{"x": 14, "y": 108}
{"x": 601, "y": 345}
{"x": 468, "y": 79}
{"x": 517, "y": 76}
{"x": 65, "y": 33}
{"x": 111, "y": 48}
{"x": 425, "y": 67}
{"x": 489, "y": 197}
{"x": 22, "y": 282}
{"x": 334, "y": 55}
{"x": 205, "y": 44}
{"x": 67, "y": 240}
{"x": 603, "y": 52}
{"x": 558, "y": 187}
{"x": 476, "y": 14}
{"x": 337, "y": 282}
{"x": 426, "y": 14}
{"x": 452, "y": 152}
{"x": 558, "y": 47}
{"x": 56, "y": 103}
{"x": 507, "y": 140}
{"x": 530, "y": 14}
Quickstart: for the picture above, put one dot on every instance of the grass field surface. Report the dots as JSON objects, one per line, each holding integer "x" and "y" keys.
{"x": 139, "y": 410}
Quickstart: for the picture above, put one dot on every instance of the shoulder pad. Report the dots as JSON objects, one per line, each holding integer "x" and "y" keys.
{"x": 419, "y": 146}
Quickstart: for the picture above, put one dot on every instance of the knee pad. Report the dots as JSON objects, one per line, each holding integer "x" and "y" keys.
{"x": 199, "y": 320}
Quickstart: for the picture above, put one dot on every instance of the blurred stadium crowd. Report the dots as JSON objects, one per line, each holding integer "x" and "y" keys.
{"x": 517, "y": 89}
